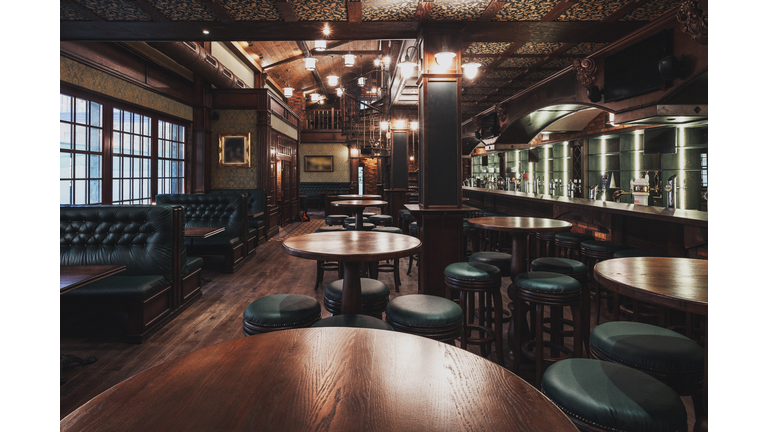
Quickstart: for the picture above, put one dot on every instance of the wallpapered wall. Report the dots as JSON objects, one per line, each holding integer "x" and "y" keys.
{"x": 340, "y": 154}
{"x": 233, "y": 121}
{"x": 87, "y": 77}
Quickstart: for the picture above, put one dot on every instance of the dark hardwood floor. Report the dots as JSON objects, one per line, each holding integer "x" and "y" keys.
{"x": 215, "y": 318}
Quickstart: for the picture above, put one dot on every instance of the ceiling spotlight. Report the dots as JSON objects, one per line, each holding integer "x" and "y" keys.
{"x": 470, "y": 69}
{"x": 205, "y": 32}
{"x": 445, "y": 57}
{"x": 320, "y": 45}
{"x": 310, "y": 63}
{"x": 326, "y": 30}
{"x": 349, "y": 59}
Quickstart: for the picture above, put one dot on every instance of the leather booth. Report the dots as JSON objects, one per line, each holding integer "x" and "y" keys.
{"x": 255, "y": 206}
{"x": 160, "y": 279}
{"x": 207, "y": 210}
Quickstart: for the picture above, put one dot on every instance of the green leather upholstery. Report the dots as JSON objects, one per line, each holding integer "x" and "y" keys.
{"x": 559, "y": 265}
{"x": 371, "y": 289}
{"x": 503, "y": 261}
{"x": 255, "y": 203}
{"x": 626, "y": 253}
{"x": 330, "y": 228}
{"x": 647, "y": 346}
{"x": 355, "y": 321}
{"x": 138, "y": 287}
{"x": 192, "y": 264}
{"x": 472, "y": 271}
{"x": 403, "y": 211}
{"x": 602, "y": 246}
{"x": 547, "y": 282}
{"x": 335, "y": 219}
{"x": 313, "y": 189}
{"x": 387, "y": 229}
{"x": 368, "y": 214}
{"x": 380, "y": 219}
{"x": 613, "y": 396}
{"x": 352, "y": 220}
{"x": 366, "y": 226}
{"x": 572, "y": 237}
{"x": 281, "y": 310}
{"x": 421, "y": 310}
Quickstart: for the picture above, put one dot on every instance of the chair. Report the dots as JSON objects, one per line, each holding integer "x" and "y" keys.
{"x": 592, "y": 252}
{"x": 280, "y": 312}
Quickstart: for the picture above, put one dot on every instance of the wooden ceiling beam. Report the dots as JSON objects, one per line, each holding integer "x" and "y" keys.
{"x": 423, "y": 10}
{"x": 305, "y": 49}
{"x": 82, "y": 10}
{"x": 624, "y": 10}
{"x": 150, "y": 10}
{"x": 558, "y": 10}
{"x": 286, "y": 10}
{"x": 220, "y": 11}
{"x": 301, "y": 56}
{"x": 354, "y": 11}
{"x": 341, "y": 53}
{"x": 493, "y": 8}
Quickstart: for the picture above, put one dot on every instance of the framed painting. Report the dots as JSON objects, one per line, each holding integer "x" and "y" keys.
{"x": 318, "y": 163}
{"x": 235, "y": 150}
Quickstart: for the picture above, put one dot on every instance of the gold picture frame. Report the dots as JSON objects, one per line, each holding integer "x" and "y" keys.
{"x": 235, "y": 150}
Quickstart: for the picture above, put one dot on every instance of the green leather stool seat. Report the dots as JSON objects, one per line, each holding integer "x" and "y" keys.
{"x": 354, "y": 321}
{"x": 572, "y": 236}
{"x": 368, "y": 214}
{"x": 403, "y": 211}
{"x": 472, "y": 271}
{"x": 467, "y": 226}
{"x": 613, "y": 397}
{"x": 351, "y": 220}
{"x": 280, "y": 311}
{"x": 329, "y": 228}
{"x": 503, "y": 261}
{"x": 647, "y": 346}
{"x": 559, "y": 265}
{"x": 335, "y": 219}
{"x": 388, "y": 229}
{"x": 425, "y": 315}
{"x": 371, "y": 289}
{"x": 381, "y": 220}
{"x": 414, "y": 228}
{"x": 366, "y": 226}
{"x": 547, "y": 282}
{"x": 602, "y": 246}
{"x": 627, "y": 253}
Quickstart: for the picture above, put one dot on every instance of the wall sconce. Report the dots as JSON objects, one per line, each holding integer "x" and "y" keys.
{"x": 387, "y": 60}
{"x": 377, "y": 62}
{"x": 445, "y": 57}
{"x": 353, "y": 152}
{"x": 399, "y": 124}
{"x": 409, "y": 65}
{"x": 320, "y": 45}
{"x": 471, "y": 69}
{"x": 310, "y": 63}
{"x": 349, "y": 59}
{"x": 414, "y": 126}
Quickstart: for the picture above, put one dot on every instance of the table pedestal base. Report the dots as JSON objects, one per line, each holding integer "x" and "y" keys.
{"x": 351, "y": 295}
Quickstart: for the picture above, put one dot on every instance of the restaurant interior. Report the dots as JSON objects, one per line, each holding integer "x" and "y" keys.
{"x": 390, "y": 214}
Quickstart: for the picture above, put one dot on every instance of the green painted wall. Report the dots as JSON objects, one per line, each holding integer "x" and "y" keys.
{"x": 340, "y": 154}
{"x": 234, "y": 121}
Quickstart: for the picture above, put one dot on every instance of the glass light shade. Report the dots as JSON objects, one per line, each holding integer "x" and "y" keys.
{"x": 384, "y": 125}
{"x": 310, "y": 63}
{"x": 339, "y": 91}
{"x": 470, "y": 69}
{"x": 377, "y": 62}
{"x": 314, "y": 97}
{"x": 353, "y": 152}
{"x": 349, "y": 60}
{"x": 361, "y": 81}
{"x": 399, "y": 124}
{"x": 414, "y": 125}
{"x": 320, "y": 45}
{"x": 288, "y": 91}
{"x": 386, "y": 60}
{"x": 444, "y": 58}
{"x": 333, "y": 80}
{"x": 407, "y": 68}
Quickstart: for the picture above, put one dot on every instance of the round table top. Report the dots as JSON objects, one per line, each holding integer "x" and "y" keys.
{"x": 359, "y": 203}
{"x": 678, "y": 283}
{"x": 520, "y": 224}
{"x": 333, "y": 379}
{"x": 359, "y": 197}
{"x": 351, "y": 246}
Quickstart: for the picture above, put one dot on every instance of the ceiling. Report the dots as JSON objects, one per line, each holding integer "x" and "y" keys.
{"x": 517, "y": 42}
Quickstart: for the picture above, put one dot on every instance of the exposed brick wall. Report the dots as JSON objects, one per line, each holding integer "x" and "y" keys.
{"x": 298, "y": 103}
{"x": 370, "y": 175}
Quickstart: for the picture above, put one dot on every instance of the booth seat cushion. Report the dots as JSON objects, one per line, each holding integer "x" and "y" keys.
{"x": 354, "y": 321}
{"x": 613, "y": 396}
{"x": 192, "y": 264}
{"x": 559, "y": 265}
{"x": 497, "y": 259}
{"x": 371, "y": 289}
{"x": 472, "y": 271}
{"x": 421, "y": 310}
{"x": 139, "y": 288}
{"x": 213, "y": 245}
{"x": 281, "y": 310}
{"x": 547, "y": 282}
{"x": 648, "y": 347}
{"x": 256, "y": 197}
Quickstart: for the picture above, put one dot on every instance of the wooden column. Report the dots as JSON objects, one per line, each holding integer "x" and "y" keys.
{"x": 199, "y": 168}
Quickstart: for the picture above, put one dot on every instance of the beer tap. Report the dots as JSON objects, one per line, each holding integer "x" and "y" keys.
{"x": 552, "y": 187}
{"x": 569, "y": 189}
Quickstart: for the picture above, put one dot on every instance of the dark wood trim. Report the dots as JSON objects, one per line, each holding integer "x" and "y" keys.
{"x": 493, "y": 8}
{"x": 150, "y": 10}
{"x": 286, "y": 10}
{"x": 301, "y": 56}
{"x": 558, "y": 10}
{"x": 220, "y": 11}
{"x": 245, "y": 59}
{"x": 354, "y": 11}
{"x": 423, "y": 10}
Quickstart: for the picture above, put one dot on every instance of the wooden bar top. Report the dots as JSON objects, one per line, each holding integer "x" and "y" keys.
{"x": 690, "y": 217}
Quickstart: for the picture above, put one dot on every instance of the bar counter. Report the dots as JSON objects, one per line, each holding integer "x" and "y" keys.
{"x": 672, "y": 232}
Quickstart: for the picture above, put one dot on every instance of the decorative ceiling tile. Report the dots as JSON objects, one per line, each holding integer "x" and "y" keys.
{"x": 471, "y": 98}
{"x": 487, "y": 48}
{"x": 593, "y": 10}
{"x": 585, "y": 48}
{"x": 476, "y": 90}
{"x": 67, "y": 13}
{"x": 519, "y": 62}
{"x": 525, "y": 10}
{"x": 502, "y": 74}
{"x": 485, "y": 61}
{"x": 538, "y": 48}
{"x": 559, "y": 63}
{"x": 539, "y": 75}
{"x": 458, "y": 10}
{"x": 389, "y": 10}
{"x": 183, "y": 10}
{"x": 651, "y": 10}
{"x": 115, "y": 11}
{"x": 320, "y": 10}
{"x": 252, "y": 10}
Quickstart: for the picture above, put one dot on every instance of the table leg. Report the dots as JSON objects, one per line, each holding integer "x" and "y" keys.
{"x": 519, "y": 265}
{"x": 351, "y": 295}
{"x": 359, "y": 219}
{"x": 519, "y": 254}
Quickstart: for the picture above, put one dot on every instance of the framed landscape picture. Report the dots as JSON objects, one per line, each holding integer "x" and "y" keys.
{"x": 318, "y": 163}
{"x": 235, "y": 150}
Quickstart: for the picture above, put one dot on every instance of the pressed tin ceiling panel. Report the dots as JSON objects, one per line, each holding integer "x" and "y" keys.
{"x": 116, "y": 11}
{"x": 538, "y": 48}
{"x": 485, "y": 61}
{"x": 320, "y": 10}
{"x": 525, "y": 10}
{"x": 67, "y": 13}
{"x": 183, "y": 10}
{"x": 389, "y": 10}
{"x": 584, "y": 49}
{"x": 559, "y": 63}
{"x": 518, "y": 62}
{"x": 651, "y": 10}
{"x": 487, "y": 48}
{"x": 458, "y": 10}
{"x": 592, "y": 10}
{"x": 252, "y": 10}
{"x": 505, "y": 74}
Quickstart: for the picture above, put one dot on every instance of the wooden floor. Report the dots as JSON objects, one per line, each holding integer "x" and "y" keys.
{"x": 215, "y": 318}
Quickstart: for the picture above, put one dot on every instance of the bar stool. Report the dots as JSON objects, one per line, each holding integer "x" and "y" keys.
{"x": 539, "y": 290}
{"x": 353, "y": 321}
{"x": 467, "y": 233}
{"x": 381, "y": 220}
{"x": 547, "y": 239}
{"x": 369, "y": 214}
{"x": 592, "y": 252}
{"x": 366, "y": 226}
{"x": 375, "y": 296}
{"x": 425, "y": 315}
{"x": 666, "y": 355}
{"x": 500, "y": 260}
{"x": 404, "y": 218}
{"x": 387, "y": 267}
{"x": 414, "y": 231}
{"x": 471, "y": 278}
{"x": 335, "y": 219}
{"x": 280, "y": 312}
{"x": 570, "y": 243}
{"x": 351, "y": 220}
{"x": 324, "y": 266}
{"x": 578, "y": 271}
{"x": 602, "y": 396}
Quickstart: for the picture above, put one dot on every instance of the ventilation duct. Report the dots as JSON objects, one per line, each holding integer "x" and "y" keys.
{"x": 193, "y": 57}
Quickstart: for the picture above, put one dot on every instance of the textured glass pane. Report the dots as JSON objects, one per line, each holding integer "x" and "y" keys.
{"x": 147, "y": 126}
{"x": 174, "y": 169}
{"x": 126, "y": 189}
{"x": 116, "y": 119}
{"x": 147, "y": 163}
{"x": 81, "y": 111}
{"x": 161, "y": 145}
{"x": 95, "y": 140}
{"x": 116, "y": 146}
{"x": 137, "y": 124}
{"x": 65, "y": 192}
{"x": 181, "y": 150}
{"x": 146, "y": 184}
{"x": 94, "y": 166}
{"x": 80, "y": 191}
{"x": 80, "y": 165}
{"x": 65, "y": 165}
{"x": 175, "y": 150}
{"x": 65, "y": 136}
{"x": 137, "y": 168}
{"x": 167, "y": 184}
{"x": 81, "y": 138}
{"x": 94, "y": 192}
{"x": 181, "y": 169}
{"x": 95, "y": 114}
{"x": 168, "y": 171}
{"x": 65, "y": 108}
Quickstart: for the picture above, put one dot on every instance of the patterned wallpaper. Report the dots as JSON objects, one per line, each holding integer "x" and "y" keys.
{"x": 234, "y": 121}
{"x": 89, "y": 78}
{"x": 340, "y": 154}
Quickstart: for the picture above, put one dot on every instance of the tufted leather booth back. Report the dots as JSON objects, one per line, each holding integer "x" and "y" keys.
{"x": 256, "y": 197}
{"x": 206, "y": 210}
{"x": 139, "y": 237}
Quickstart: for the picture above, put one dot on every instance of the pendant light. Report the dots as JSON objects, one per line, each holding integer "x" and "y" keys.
{"x": 310, "y": 63}
{"x": 349, "y": 58}
{"x": 320, "y": 45}
{"x": 339, "y": 91}
{"x": 314, "y": 97}
{"x": 287, "y": 90}
{"x": 409, "y": 65}
{"x": 333, "y": 79}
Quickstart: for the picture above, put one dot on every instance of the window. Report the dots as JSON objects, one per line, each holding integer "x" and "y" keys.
{"x": 125, "y": 158}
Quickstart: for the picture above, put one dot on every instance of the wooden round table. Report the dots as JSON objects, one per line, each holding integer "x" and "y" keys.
{"x": 359, "y": 197}
{"x": 519, "y": 228}
{"x": 351, "y": 248}
{"x": 358, "y": 206}
{"x": 330, "y": 379}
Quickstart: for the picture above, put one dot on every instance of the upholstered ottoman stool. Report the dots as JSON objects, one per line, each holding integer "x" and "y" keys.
{"x": 503, "y": 261}
{"x": 280, "y": 312}
{"x": 351, "y": 220}
{"x": 568, "y": 243}
{"x": 381, "y": 220}
{"x": 355, "y": 321}
{"x": 592, "y": 252}
{"x": 366, "y": 226}
{"x": 388, "y": 229}
{"x": 375, "y": 296}
{"x": 335, "y": 219}
{"x": 602, "y": 396}
{"x": 425, "y": 315}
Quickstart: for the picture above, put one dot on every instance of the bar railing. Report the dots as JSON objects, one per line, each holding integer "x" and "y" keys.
{"x": 323, "y": 119}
